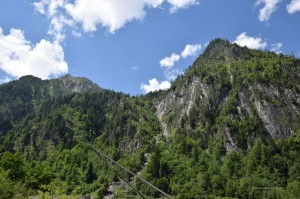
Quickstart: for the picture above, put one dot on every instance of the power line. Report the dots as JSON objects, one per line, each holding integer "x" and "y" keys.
{"x": 135, "y": 189}
{"x": 137, "y": 176}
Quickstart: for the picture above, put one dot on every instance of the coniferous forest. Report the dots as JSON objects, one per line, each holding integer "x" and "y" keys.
{"x": 229, "y": 127}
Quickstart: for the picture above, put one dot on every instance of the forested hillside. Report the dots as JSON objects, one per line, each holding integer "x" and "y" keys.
{"x": 233, "y": 125}
{"x": 42, "y": 127}
{"x": 228, "y": 127}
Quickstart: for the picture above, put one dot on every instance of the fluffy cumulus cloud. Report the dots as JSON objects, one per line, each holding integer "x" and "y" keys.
{"x": 276, "y": 48}
{"x": 154, "y": 85}
{"x": 293, "y": 6}
{"x": 251, "y": 42}
{"x": 180, "y": 4}
{"x": 18, "y": 57}
{"x": 268, "y": 8}
{"x": 111, "y": 14}
{"x": 190, "y": 50}
{"x": 168, "y": 62}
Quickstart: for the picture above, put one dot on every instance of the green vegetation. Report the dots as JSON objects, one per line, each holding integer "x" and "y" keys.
{"x": 187, "y": 170}
{"x": 54, "y": 130}
{"x": 233, "y": 120}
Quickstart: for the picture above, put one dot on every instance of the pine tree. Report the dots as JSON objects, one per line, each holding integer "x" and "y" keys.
{"x": 90, "y": 175}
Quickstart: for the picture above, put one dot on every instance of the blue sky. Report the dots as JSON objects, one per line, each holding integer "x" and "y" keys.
{"x": 134, "y": 46}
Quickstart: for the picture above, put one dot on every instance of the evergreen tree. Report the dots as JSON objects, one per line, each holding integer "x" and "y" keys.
{"x": 90, "y": 175}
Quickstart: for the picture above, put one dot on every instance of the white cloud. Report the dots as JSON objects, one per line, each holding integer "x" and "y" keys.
{"x": 190, "y": 50}
{"x": 154, "y": 85}
{"x": 57, "y": 25}
{"x": 206, "y": 44}
{"x": 58, "y": 19}
{"x": 18, "y": 57}
{"x": 5, "y": 80}
{"x": 172, "y": 74}
{"x": 76, "y": 34}
{"x": 276, "y": 48}
{"x": 293, "y": 6}
{"x": 49, "y": 7}
{"x": 250, "y": 42}
{"x": 168, "y": 62}
{"x": 180, "y": 4}
{"x": 269, "y": 7}
{"x": 111, "y": 14}
{"x": 40, "y": 6}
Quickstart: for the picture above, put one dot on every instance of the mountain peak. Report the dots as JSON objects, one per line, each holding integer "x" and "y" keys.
{"x": 76, "y": 84}
{"x": 220, "y": 49}
{"x": 219, "y": 42}
{"x": 29, "y": 78}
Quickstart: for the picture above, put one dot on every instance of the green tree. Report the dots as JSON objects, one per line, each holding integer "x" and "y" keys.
{"x": 38, "y": 175}
{"x": 154, "y": 163}
{"x": 14, "y": 165}
{"x": 90, "y": 175}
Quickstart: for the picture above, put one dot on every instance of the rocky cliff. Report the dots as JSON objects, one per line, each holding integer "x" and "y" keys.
{"x": 229, "y": 86}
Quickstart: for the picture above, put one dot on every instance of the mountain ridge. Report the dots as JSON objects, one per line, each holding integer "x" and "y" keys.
{"x": 228, "y": 127}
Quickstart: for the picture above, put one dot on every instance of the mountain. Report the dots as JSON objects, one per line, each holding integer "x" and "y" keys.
{"x": 46, "y": 125}
{"x": 229, "y": 127}
{"x": 24, "y": 96}
{"x": 69, "y": 84}
{"x": 231, "y": 87}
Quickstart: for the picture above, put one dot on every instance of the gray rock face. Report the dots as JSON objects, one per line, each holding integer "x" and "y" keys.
{"x": 180, "y": 103}
{"x": 235, "y": 92}
{"x": 277, "y": 108}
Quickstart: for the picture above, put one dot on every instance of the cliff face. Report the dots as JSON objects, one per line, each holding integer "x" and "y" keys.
{"x": 277, "y": 108}
{"x": 229, "y": 120}
{"x": 229, "y": 88}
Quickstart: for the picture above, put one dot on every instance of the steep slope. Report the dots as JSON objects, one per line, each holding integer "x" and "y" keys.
{"x": 232, "y": 126}
{"x": 230, "y": 85}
